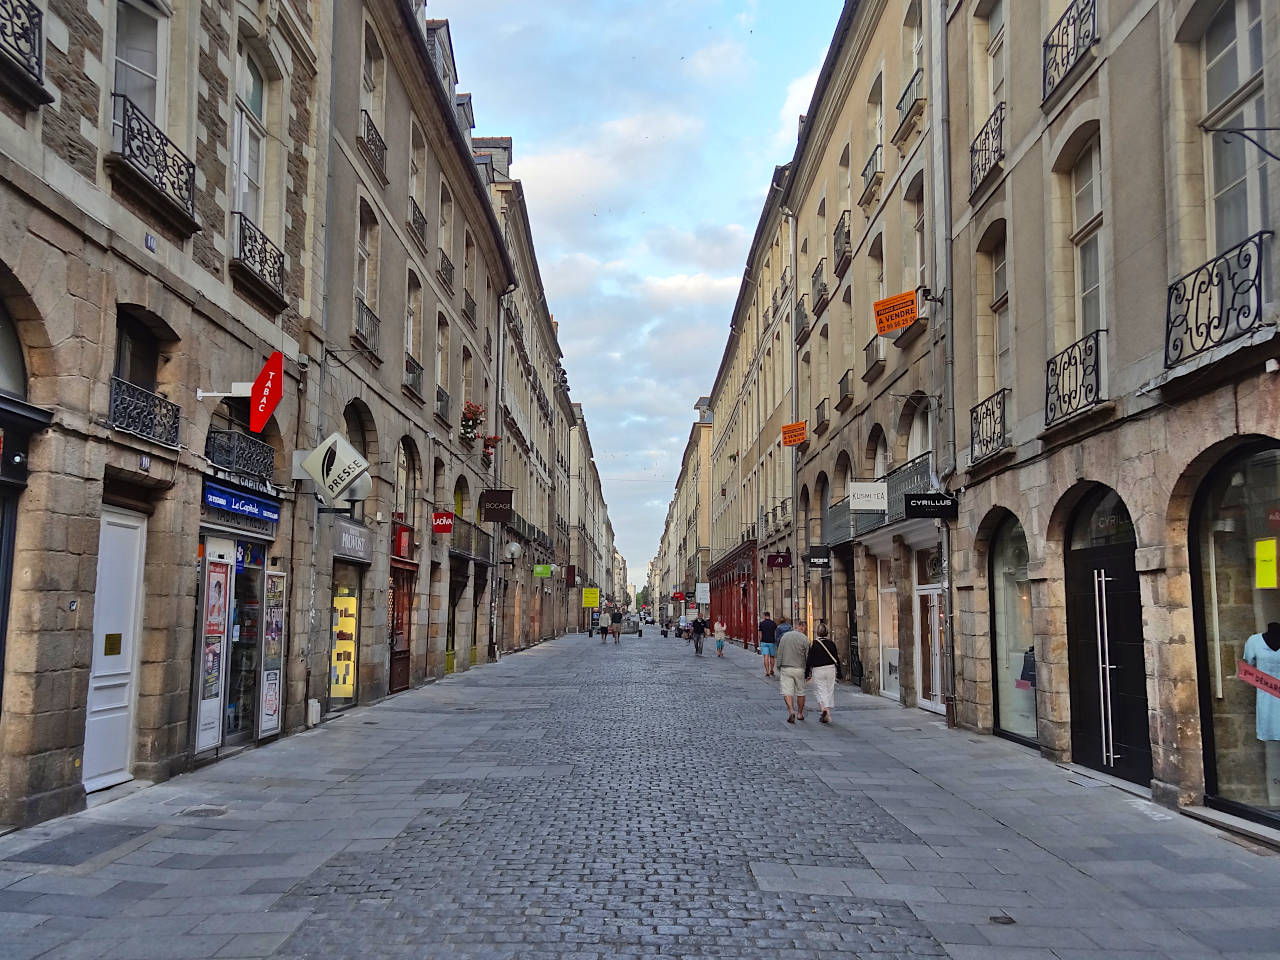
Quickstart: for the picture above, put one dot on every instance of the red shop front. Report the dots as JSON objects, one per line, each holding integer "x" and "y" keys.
{"x": 733, "y": 592}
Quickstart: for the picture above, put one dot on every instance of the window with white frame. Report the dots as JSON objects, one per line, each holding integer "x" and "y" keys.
{"x": 920, "y": 437}
{"x": 1086, "y": 237}
{"x": 249, "y": 134}
{"x": 371, "y": 75}
{"x": 880, "y": 460}
{"x": 442, "y": 352}
{"x": 916, "y": 259}
{"x": 444, "y": 234}
{"x": 1234, "y": 98}
{"x": 367, "y": 257}
{"x": 412, "y": 314}
{"x": 141, "y": 36}
{"x": 1002, "y": 319}
{"x": 417, "y": 165}
{"x": 995, "y": 55}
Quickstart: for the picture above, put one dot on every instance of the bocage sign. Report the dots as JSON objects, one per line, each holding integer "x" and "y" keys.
{"x": 335, "y": 466}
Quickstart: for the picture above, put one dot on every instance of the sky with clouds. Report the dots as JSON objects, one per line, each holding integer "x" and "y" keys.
{"x": 645, "y": 133}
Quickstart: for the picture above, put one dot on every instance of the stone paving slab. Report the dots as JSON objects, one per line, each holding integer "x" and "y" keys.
{"x": 657, "y": 804}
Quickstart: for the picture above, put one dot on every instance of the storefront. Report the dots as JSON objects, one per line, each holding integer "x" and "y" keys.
{"x": 240, "y": 656}
{"x": 733, "y": 592}
{"x": 352, "y": 555}
{"x": 1013, "y": 654}
{"x": 1235, "y": 528}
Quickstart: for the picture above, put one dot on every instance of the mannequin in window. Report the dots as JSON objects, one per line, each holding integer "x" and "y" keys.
{"x": 1262, "y": 650}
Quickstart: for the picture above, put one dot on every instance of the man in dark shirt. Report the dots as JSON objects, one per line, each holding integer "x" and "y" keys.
{"x": 767, "y": 642}
{"x": 699, "y": 630}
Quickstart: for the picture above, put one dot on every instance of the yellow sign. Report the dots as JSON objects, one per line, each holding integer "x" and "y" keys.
{"x": 794, "y": 434}
{"x": 894, "y": 313}
{"x": 342, "y": 659}
{"x": 590, "y": 598}
{"x": 1264, "y": 564}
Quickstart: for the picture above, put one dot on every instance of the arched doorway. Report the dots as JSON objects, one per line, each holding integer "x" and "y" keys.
{"x": 1234, "y": 531}
{"x": 1013, "y": 654}
{"x": 1109, "y": 727}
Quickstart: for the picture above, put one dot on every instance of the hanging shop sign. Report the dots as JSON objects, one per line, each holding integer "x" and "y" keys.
{"x": 702, "y": 592}
{"x": 819, "y": 556}
{"x": 495, "y": 506}
{"x": 794, "y": 434}
{"x": 335, "y": 466}
{"x": 442, "y": 523}
{"x": 778, "y": 561}
{"x": 938, "y": 506}
{"x": 270, "y": 707}
{"x": 352, "y": 541}
{"x": 571, "y": 576}
{"x": 590, "y": 598}
{"x": 677, "y": 596}
{"x": 233, "y": 501}
{"x": 267, "y": 391}
{"x": 1264, "y": 564}
{"x": 542, "y": 569}
{"x": 213, "y": 654}
{"x": 896, "y": 312}
{"x": 868, "y": 496}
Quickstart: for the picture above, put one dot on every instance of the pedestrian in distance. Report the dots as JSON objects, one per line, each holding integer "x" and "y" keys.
{"x": 793, "y": 666}
{"x": 604, "y": 627}
{"x": 721, "y": 632}
{"x": 767, "y": 635}
{"x": 615, "y": 627}
{"x": 824, "y": 668}
{"x": 699, "y": 628}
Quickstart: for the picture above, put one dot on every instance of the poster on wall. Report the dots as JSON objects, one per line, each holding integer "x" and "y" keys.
{"x": 269, "y": 709}
{"x": 213, "y": 648}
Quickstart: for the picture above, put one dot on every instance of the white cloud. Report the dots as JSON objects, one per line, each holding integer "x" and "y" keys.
{"x": 799, "y": 93}
{"x": 712, "y": 247}
{"x": 691, "y": 288}
{"x": 723, "y": 60}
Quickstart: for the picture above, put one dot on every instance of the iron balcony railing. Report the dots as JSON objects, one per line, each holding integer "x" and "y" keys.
{"x": 821, "y": 415}
{"x": 801, "y": 322}
{"x": 442, "y": 403}
{"x": 1074, "y": 378}
{"x": 368, "y": 326}
{"x": 876, "y": 352}
{"x": 1074, "y": 33}
{"x": 417, "y": 221}
{"x": 469, "y": 539}
{"x": 257, "y": 253}
{"x": 21, "y": 36}
{"x": 412, "y": 374}
{"x": 445, "y": 269}
{"x": 373, "y": 142}
{"x": 818, "y": 286}
{"x": 488, "y": 342}
{"x": 468, "y": 306}
{"x": 786, "y": 277}
{"x": 914, "y": 476}
{"x": 1216, "y": 302}
{"x": 139, "y": 411}
{"x": 872, "y": 171}
{"x": 988, "y": 430}
{"x": 912, "y": 94}
{"x": 840, "y": 242}
{"x": 144, "y": 147}
{"x": 846, "y": 388}
{"x": 239, "y": 452}
{"x": 987, "y": 148}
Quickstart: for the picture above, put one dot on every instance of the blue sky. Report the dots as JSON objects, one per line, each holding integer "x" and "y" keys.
{"x": 645, "y": 132}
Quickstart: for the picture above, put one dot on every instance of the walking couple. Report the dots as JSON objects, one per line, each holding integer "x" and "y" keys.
{"x": 797, "y": 660}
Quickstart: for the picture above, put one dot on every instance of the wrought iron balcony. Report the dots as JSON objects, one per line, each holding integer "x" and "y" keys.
{"x": 139, "y": 411}
{"x": 987, "y": 149}
{"x": 469, "y": 539}
{"x": 822, "y": 416}
{"x": 412, "y": 374}
{"x": 21, "y": 36}
{"x": 801, "y": 321}
{"x": 1074, "y": 378}
{"x": 445, "y": 270}
{"x": 488, "y": 342}
{"x": 417, "y": 222}
{"x": 468, "y": 306}
{"x": 1216, "y": 302}
{"x": 442, "y": 403}
{"x": 988, "y": 430}
{"x": 911, "y": 103}
{"x": 257, "y": 254}
{"x": 241, "y": 453}
{"x": 372, "y": 141}
{"x": 841, "y": 244}
{"x": 818, "y": 287}
{"x": 1071, "y": 37}
{"x": 846, "y": 390}
{"x": 143, "y": 148}
{"x": 368, "y": 332}
{"x": 872, "y": 175}
{"x": 876, "y": 352}
{"x": 914, "y": 476}
{"x": 786, "y": 277}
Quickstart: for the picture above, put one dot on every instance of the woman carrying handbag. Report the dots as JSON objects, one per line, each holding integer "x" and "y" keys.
{"x": 824, "y": 664}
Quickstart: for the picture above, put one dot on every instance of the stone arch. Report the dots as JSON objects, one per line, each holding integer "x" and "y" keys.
{"x": 842, "y": 475}
{"x": 875, "y": 439}
{"x": 28, "y": 327}
{"x": 819, "y": 523}
{"x": 911, "y": 408}
{"x": 802, "y": 513}
{"x": 361, "y": 429}
{"x": 408, "y": 482}
{"x": 1176, "y": 522}
{"x": 232, "y": 414}
{"x": 462, "y": 497}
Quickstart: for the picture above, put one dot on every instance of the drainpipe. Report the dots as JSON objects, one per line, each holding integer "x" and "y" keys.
{"x": 790, "y": 219}
{"x": 948, "y": 389}
{"x": 494, "y": 567}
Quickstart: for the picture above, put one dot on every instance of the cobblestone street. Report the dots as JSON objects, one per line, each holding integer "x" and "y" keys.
{"x": 581, "y": 800}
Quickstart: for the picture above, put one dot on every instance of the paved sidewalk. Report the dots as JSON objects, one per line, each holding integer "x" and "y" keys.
{"x": 591, "y": 801}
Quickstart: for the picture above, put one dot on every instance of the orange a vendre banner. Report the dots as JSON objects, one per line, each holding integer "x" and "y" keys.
{"x": 794, "y": 434}
{"x": 894, "y": 313}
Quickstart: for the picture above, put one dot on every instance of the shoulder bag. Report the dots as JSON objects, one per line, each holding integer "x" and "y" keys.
{"x": 839, "y": 665}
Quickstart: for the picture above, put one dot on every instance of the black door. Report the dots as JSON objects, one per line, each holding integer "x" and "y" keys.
{"x": 1109, "y": 727}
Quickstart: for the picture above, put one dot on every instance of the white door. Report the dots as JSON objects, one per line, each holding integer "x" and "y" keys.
{"x": 929, "y": 650}
{"x": 117, "y": 623}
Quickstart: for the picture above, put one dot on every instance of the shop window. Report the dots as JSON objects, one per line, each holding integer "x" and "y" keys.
{"x": 13, "y": 372}
{"x": 346, "y": 630}
{"x": 1013, "y": 655}
{"x": 1235, "y": 530}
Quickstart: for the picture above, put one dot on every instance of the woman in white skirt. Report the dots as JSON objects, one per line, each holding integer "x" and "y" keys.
{"x": 822, "y": 664}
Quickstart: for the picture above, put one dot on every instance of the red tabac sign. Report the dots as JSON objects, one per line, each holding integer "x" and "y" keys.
{"x": 677, "y": 595}
{"x": 442, "y": 523}
{"x": 267, "y": 391}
